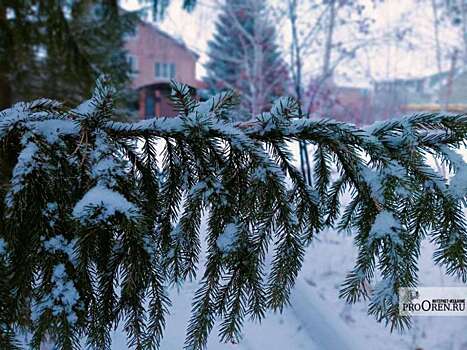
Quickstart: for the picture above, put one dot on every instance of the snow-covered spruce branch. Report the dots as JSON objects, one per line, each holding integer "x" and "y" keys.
{"x": 96, "y": 221}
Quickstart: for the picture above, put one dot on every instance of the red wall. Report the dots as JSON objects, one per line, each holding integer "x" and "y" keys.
{"x": 149, "y": 46}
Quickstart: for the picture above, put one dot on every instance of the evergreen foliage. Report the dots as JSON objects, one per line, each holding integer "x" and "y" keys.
{"x": 244, "y": 57}
{"x": 59, "y": 48}
{"x": 96, "y": 223}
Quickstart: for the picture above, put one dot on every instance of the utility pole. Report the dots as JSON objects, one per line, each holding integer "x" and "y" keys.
{"x": 452, "y": 71}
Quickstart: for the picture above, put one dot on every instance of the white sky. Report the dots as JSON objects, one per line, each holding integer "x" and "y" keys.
{"x": 388, "y": 60}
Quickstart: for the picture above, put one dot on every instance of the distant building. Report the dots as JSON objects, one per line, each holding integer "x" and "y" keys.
{"x": 450, "y": 96}
{"x": 444, "y": 91}
{"x": 388, "y": 99}
{"x": 343, "y": 103}
{"x": 391, "y": 96}
{"x": 353, "y": 104}
{"x": 156, "y": 58}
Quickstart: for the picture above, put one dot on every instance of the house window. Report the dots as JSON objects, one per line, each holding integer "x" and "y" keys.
{"x": 158, "y": 70}
{"x": 172, "y": 70}
{"x": 165, "y": 70}
{"x": 132, "y": 63}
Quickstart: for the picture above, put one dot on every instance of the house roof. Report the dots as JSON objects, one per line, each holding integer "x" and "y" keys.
{"x": 435, "y": 107}
{"x": 432, "y": 92}
{"x": 432, "y": 78}
{"x": 178, "y": 42}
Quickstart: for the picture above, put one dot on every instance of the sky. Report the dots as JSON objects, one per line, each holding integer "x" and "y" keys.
{"x": 385, "y": 59}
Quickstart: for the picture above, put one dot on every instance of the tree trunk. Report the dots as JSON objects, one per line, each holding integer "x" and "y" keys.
{"x": 463, "y": 8}
{"x": 329, "y": 40}
{"x": 296, "y": 63}
{"x": 436, "y": 32}
{"x": 295, "y": 52}
{"x": 327, "y": 71}
{"x": 5, "y": 84}
{"x": 5, "y": 91}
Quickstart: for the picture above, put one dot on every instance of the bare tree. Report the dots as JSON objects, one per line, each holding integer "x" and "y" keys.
{"x": 434, "y": 7}
{"x": 296, "y": 69}
{"x": 323, "y": 36}
{"x": 312, "y": 39}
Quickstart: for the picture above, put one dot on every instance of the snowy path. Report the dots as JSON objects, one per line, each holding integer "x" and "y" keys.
{"x": 322, "y": 324}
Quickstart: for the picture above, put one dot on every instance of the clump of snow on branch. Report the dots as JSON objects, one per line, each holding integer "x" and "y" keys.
{"x": 100, "y": 203}
{"x": 25, "y": 165}
{"x": 386, "y": 224}
{"x": 62, "y": 299}
{"x": 51, "y": 213}
{"x": 53, "y": 130}
{"x": 60, "y": 244}
{"x": 458, "y": 183}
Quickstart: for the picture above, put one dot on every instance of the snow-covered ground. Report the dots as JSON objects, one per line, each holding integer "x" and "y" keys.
{"x": 325, "y": 267}
{"x": 319, "y": 320}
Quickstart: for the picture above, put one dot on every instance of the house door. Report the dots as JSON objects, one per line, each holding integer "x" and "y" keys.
{"x": 149, "y": 105}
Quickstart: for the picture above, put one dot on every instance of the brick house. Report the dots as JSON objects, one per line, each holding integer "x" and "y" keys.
{"x": 343, "y": 103}
{"x": 155, "y": 58}
{"x": 352, "y": 104}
